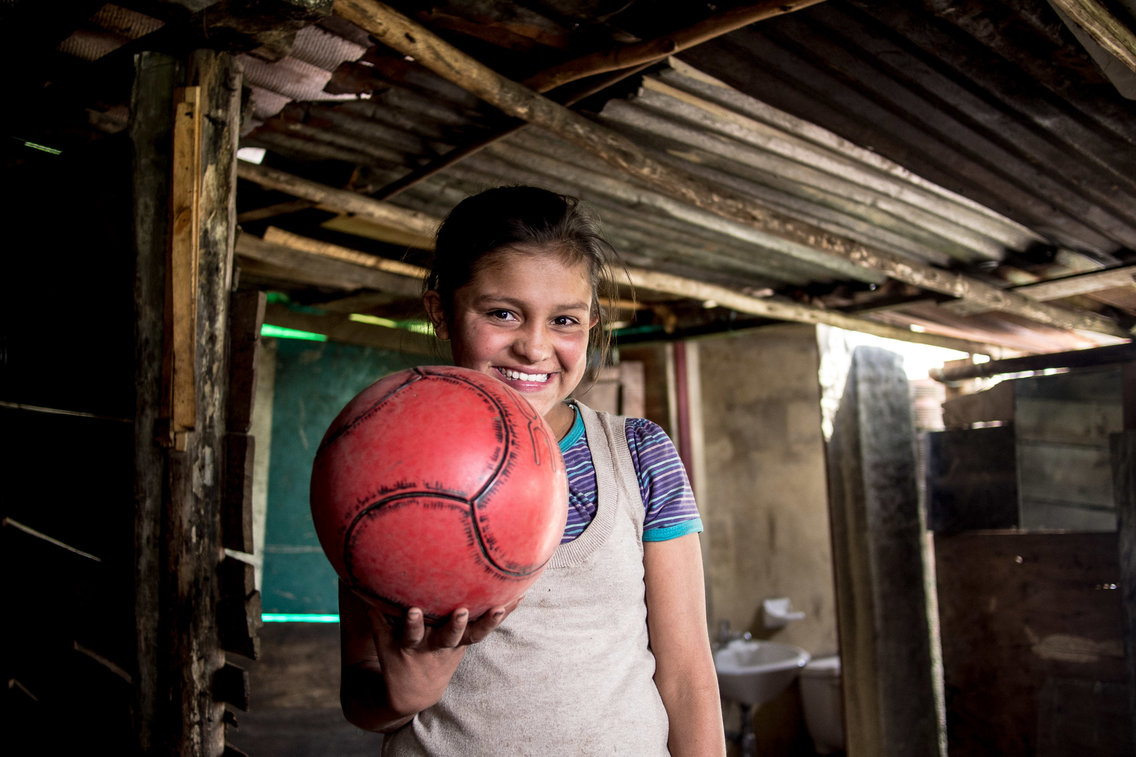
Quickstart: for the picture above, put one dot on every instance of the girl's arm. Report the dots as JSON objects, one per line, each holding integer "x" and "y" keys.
{"x": 388, "y": 675}
{"x": 676, "y": 621}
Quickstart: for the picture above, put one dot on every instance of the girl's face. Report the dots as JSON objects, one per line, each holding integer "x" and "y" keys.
{"x": 523, "y": 319}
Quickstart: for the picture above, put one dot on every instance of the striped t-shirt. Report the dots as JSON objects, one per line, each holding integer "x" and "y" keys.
{"x": 663, "y": 484}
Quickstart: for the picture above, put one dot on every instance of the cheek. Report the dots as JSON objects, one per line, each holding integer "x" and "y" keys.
{"x": 469, "y": 346}
{"x": 575, "y": 352}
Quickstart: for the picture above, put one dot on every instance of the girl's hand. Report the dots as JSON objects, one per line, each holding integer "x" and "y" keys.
{"x": 418, "y": 660}
{"x": 393, "y": 668}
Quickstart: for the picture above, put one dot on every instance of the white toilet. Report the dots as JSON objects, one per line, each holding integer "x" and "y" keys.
{"x": 823, "y": 703}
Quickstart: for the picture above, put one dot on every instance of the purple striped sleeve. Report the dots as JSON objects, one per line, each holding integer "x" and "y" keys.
{"x": 663, "y": 483}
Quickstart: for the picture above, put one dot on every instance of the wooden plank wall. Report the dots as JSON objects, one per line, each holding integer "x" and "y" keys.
{"x": 1035, "y": 618}
{"x": 1053, "y": 463}
{"x": 66, "y": 438}
{"x": 1033, "y": 655}
{"x": 115, "y": 594}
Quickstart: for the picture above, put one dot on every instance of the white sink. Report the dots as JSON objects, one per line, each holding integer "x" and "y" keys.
{"x": 753, "y": 672}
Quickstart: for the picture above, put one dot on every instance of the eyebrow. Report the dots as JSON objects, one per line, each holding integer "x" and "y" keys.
{"x": 486, "y": 299}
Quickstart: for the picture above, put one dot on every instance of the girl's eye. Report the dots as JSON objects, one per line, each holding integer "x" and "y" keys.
{"x": 500, "y": 315}
{"x": 564, "y": 320}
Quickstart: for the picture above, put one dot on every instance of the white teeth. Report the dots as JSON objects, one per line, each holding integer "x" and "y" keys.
{"x": 518, "y": 376}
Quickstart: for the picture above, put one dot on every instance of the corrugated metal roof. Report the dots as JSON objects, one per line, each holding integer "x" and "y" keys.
{"x": 978, "y": 139}
{"x": 996, "y": 101}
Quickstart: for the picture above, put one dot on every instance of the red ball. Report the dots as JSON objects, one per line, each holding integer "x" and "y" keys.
{"x": 439, "y": 487}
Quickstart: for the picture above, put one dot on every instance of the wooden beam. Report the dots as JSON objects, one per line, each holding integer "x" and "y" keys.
{"x": 180, "y": 407}
{"x": 150, "y": 133}
{"x": 192, "y": 520}
{"x": 1066, "y": 286}
{"x": 623, "y": 61}
{"x": 1107, "y": 30}
{"x": 788, "y": 311}
{"x": 325, "y": 264}
{"x": 419, "y": 226}
{"x": 356, "y": 226}
{"x": 336, "y": 252}
{"x": 650, "y": 51}
{"x": 324, "y": 270}
{"x": 272, "y": 211}
{"x": 1109, "y": 355}
{"x": 177, "y": 512}
{"x": 400, "y": 33}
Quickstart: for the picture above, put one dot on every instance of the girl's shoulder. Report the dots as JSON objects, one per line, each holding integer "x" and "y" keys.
{"x": 645, "y": 434}
{"x": 642, "y": 434}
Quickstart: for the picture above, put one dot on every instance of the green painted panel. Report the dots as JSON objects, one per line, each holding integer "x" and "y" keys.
{"x": 314, "y": 380}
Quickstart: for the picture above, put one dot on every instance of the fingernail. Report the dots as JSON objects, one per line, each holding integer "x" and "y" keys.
{"x": 414, "y": 614}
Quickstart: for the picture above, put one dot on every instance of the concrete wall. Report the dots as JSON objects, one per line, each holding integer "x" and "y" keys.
{"x": 763, "y": 492}
{"x": 760, "y": 482}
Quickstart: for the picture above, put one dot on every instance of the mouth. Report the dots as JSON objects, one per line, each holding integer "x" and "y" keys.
{"x": 529, "y": 378}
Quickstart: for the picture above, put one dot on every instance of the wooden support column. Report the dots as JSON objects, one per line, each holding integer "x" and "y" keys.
{"x": 151, "y": 134}
{"x": 890, "y": 697}
{"x": 189, "y": 227}
{"x": 1123, "y": 446}
{"x": 1124, "y": 486}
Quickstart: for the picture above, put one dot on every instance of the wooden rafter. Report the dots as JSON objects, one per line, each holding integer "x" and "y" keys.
{"x": 1106, "y": 29}
{"x": 650, "y": 51}
{"x": 334, "y": 263}
{"x": 619, "y": 63}
{"x": 1067, "y": 286}
{"x": 401, "y": 226}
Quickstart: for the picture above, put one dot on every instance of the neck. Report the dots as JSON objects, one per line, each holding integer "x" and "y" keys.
{"x": 560, "y": 420}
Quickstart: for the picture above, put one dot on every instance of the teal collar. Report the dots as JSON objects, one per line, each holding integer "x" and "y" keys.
{"x": 574, "y": 433}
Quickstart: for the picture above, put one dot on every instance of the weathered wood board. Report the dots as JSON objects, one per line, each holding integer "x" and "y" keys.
{"x": 1058, "y": 429}
{"x": 1032, "y": 640}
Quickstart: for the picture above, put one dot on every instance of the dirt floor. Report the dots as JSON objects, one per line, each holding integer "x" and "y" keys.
{"x": 294, "y": 698}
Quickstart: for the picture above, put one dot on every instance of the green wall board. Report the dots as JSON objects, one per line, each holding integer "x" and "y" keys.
{"x": 314, "y": 380}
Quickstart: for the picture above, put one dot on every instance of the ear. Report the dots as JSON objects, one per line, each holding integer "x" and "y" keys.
{"x": 436, "y": 313}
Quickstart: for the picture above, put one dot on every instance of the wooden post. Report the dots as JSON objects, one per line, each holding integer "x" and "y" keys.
{"x": 179, "y": 489}
{"x": 179, "y": 404}
{"x": 151, "y": 134}
{"x": 878, "y": 536}
{"x": 1124, "y": 489}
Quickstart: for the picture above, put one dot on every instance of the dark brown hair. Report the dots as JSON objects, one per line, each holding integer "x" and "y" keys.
{"x": 523, "y": 217}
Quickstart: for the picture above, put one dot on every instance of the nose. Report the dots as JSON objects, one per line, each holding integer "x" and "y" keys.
{"x": 533, "y": 343}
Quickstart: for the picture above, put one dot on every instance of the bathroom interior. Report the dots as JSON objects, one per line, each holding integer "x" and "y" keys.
{"x": 750, "y": 413}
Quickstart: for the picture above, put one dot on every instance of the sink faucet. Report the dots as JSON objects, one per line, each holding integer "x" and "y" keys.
{"x": 725, "y": 636}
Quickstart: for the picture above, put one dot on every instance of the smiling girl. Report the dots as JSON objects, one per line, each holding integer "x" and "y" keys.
{"x": 608, "y": 651}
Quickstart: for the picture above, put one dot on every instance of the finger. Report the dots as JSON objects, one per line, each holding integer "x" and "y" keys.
{"x": 450, "y": 635}
{"x": 414, "y": 629}
{"x": 483, "y": 626}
